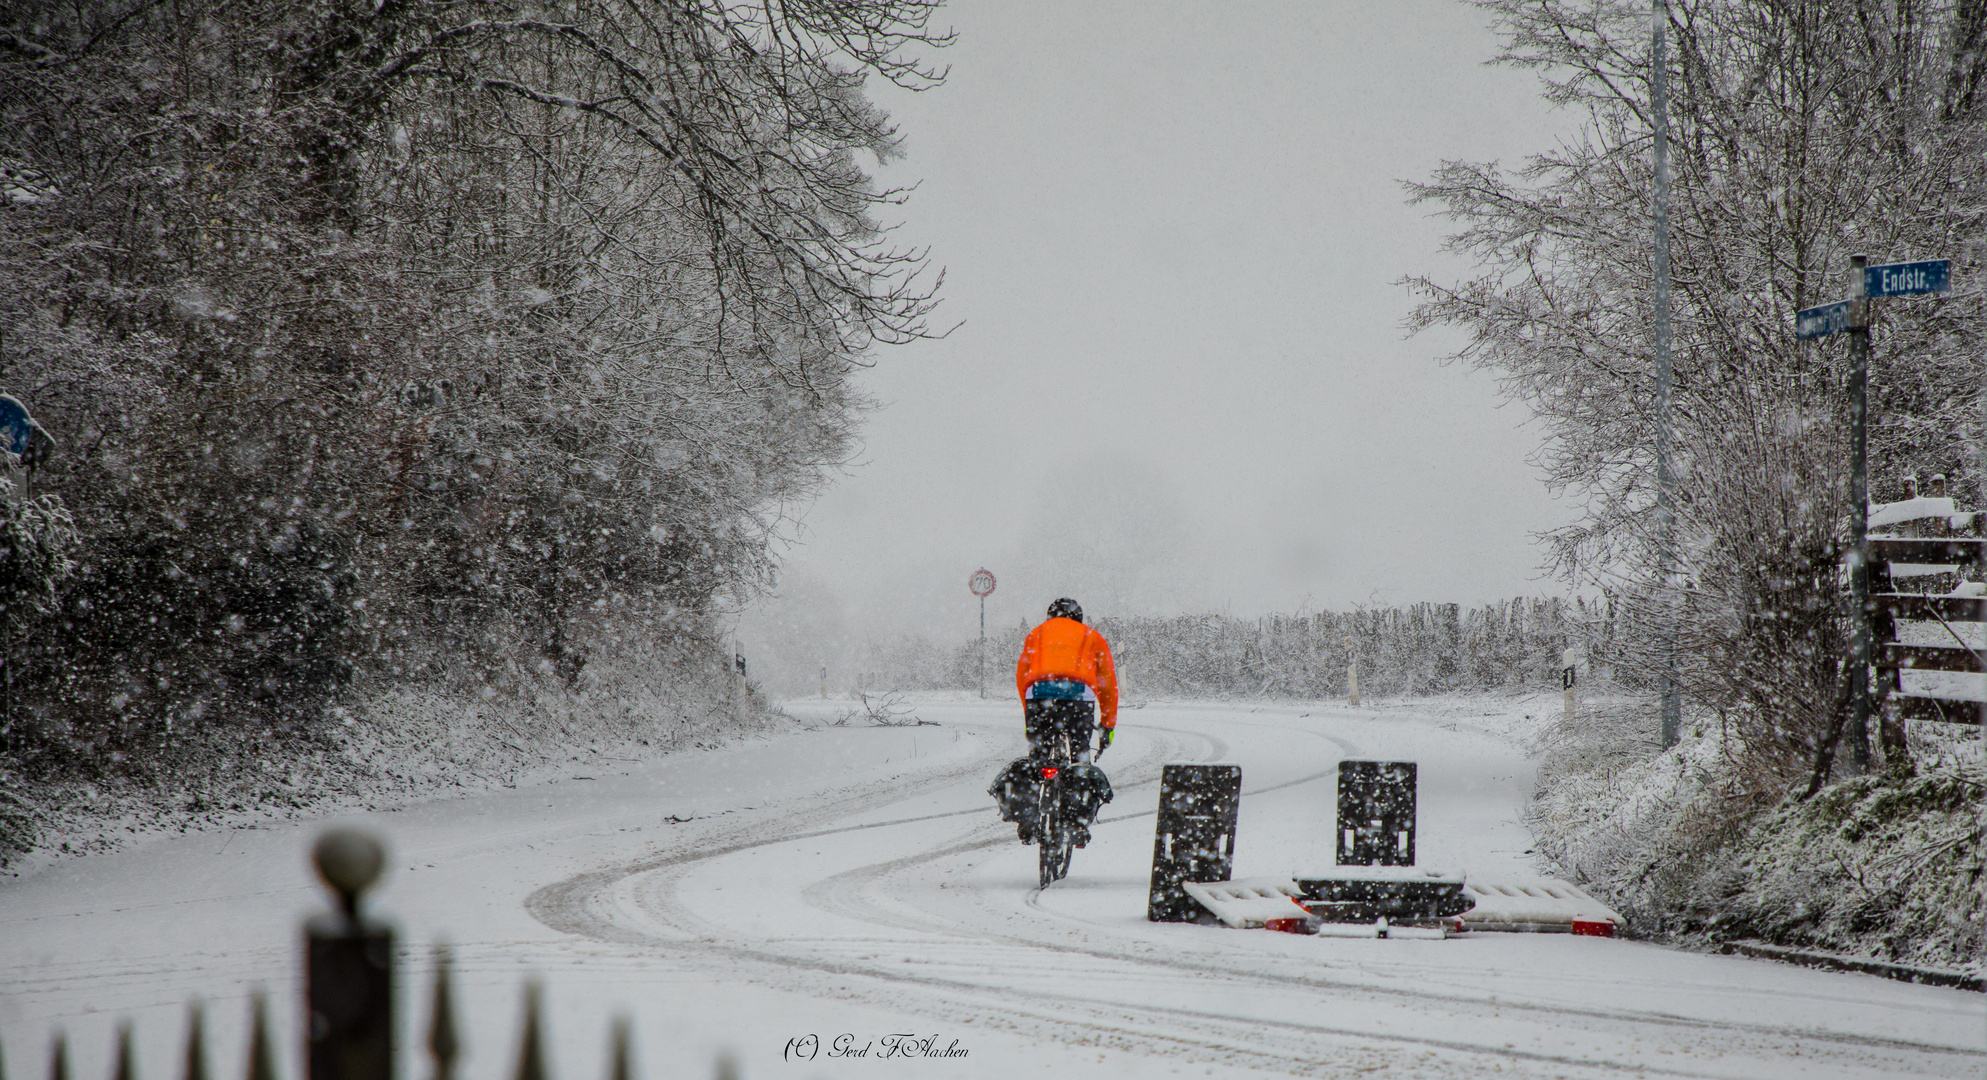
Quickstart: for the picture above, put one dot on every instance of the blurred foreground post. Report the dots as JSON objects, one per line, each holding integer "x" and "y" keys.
{"x": 348, "y": 991}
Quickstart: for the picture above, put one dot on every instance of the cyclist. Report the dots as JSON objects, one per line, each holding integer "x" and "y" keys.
{"x": 1066, "y": 666}
{"x": 1064, "y": 672}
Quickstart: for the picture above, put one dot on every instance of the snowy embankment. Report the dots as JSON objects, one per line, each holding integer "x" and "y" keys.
{"x": 1694, "y": 848}
{"x": 847, "y": 879}
{"x": 394, "y": 747}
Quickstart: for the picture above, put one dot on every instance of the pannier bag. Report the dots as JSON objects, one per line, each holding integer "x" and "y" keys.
{"x": 1085, "y": 787}
{"x": 1012, "y": 790}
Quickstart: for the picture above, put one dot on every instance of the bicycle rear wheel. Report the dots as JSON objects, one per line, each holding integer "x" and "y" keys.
{"x": 1053, "y": 855}
{"x": 1053, "y": 836}
{"x": 1052, "y": 828}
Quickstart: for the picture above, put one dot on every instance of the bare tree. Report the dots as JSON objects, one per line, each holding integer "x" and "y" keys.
{"x": 1803, "y": 132}
{"x": 461, "y": 342}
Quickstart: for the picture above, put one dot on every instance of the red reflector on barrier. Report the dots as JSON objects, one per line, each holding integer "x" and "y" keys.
{"x": 1593, "y": 927}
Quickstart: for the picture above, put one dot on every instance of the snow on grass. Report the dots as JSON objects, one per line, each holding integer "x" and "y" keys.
{"x": 1695, "y": 844}
{"x": 396, "y": 746}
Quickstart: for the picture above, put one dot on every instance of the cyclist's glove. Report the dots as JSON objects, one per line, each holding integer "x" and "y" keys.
{"x": 1105, "y": 741}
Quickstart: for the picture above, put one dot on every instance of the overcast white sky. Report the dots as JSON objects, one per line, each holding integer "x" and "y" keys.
{"x": 1172, "y": 232}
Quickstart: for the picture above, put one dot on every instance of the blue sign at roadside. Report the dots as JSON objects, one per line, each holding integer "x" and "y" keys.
{"x": 16, "y": 427}
{"x": 1905, "y": 279}
{"x": 1821, "y": 321}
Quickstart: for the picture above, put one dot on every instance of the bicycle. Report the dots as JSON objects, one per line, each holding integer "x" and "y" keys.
{"x": 1052, "y": 796}
{"x": 1055, "y": 834}
{"x": 1066, "y": 795}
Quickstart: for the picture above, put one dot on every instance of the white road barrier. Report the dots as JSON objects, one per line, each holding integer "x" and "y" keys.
{"x": 1550, "y": 906}
{"x": 1546, "y": 906}
{"x": 1251, "y": 902}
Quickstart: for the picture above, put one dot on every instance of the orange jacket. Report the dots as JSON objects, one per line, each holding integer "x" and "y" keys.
{"x": 1067, "y": 649}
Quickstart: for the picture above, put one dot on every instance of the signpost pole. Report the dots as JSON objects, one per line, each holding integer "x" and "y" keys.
{"x": 1866, "y": 283}
{"x": 1672, "y": 714}
{"x": 1859, "y": 511}
{"x": 982, "y": 584}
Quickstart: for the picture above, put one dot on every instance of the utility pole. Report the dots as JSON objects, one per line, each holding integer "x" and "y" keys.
{"x": 1665, "y": 474}
{"x": 1982, "y": 944}
{"x": 1859, "y": 510}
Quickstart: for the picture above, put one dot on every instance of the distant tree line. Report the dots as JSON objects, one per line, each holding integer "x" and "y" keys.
{"x": 1416, "y": 649}
{"x": 388, "y": 343}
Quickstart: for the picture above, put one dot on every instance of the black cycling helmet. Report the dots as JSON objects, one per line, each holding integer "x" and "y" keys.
{"x": 1066, "y": 608}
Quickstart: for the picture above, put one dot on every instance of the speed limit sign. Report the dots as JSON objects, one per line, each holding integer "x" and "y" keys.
{"x": 982, "y": 583}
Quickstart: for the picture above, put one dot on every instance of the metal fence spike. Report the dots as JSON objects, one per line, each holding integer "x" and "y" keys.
{"x": 127, "y": 1065}
{"x": 261, "y": 1050}
{"x": 531, "y": 1050}
{"x": 196, "y": 1042}
{"x": 58, "y": 1064}
{"x": 444, "y": 1044}
{"x": 727, "y": 1067}
{"x": 624, "y": 1066}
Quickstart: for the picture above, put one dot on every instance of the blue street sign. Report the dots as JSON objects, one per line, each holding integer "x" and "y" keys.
{"x": 1821, "y": 321}
{"x": 15, "y": 425}
{"x": 1904, "y": 279}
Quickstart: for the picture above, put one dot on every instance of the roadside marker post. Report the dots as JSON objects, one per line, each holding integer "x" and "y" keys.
{"x": 1352, "y": 671}
{"x": 1852, "y": 316}
{"x": 1571, "y": 659}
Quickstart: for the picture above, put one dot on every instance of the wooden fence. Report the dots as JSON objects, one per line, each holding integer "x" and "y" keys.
{"x": 1924, "y": 572}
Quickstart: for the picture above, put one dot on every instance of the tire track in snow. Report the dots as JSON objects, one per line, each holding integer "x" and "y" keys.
{"x": 636, "y": 905}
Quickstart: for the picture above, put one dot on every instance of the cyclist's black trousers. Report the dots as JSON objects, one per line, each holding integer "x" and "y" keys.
{"x": 1044, "y": 718}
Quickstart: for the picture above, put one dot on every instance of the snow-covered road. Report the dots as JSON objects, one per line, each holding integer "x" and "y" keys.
{"x": 853, "y": 881}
